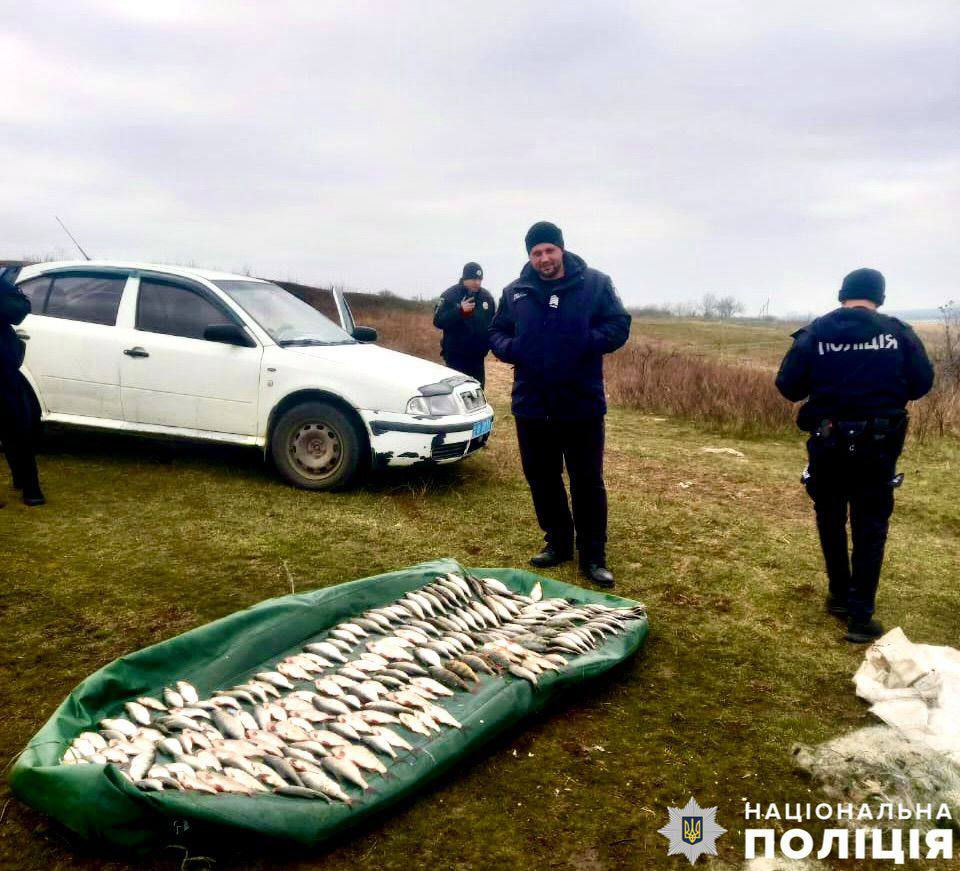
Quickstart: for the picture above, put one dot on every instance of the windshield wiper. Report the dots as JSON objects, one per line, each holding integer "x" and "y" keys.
{"x": 286, "y": 342}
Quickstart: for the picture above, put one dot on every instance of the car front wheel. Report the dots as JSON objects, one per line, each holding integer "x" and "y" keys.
{"x": 316, "y": 446}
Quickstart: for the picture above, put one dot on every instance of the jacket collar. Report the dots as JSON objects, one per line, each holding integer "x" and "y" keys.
{"x": 573, "y": 267}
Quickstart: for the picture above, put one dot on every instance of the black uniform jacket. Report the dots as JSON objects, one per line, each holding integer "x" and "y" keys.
{"x": 555, "y": 334}
{"x": 464, "y": 335}
{"x": 14, "y": 307}
{"x": 851, "y": 364}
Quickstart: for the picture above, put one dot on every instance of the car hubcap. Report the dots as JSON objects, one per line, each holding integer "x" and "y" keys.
{"x": 316, "y": 450}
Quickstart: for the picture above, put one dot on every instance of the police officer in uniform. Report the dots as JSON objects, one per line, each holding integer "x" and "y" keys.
{"x": 553, "y": 325}
{"x": 857, "y": 369}
{"x": 18, "y": 422}
{"x": 464, "y": 314}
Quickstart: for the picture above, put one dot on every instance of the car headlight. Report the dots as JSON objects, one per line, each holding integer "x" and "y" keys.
{"x": 433, "y": 405}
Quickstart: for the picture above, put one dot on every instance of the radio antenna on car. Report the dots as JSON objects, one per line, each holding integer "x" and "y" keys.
{"x": 75, "y": 242}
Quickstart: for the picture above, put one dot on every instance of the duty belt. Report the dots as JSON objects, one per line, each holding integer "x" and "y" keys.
{"x": 854, "y": 429}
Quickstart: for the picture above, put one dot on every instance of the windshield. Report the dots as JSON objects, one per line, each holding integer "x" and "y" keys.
{"x": 288, "y": 319}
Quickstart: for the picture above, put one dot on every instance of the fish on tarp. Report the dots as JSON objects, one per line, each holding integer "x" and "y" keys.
{"x": 368, "y": 678}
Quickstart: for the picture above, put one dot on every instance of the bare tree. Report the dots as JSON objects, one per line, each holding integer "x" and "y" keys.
{"x": 685, "y": 309}
{"x": 950, "y": 312}
{"x": 727, "y": 307}
{"x": 709, "y": 306}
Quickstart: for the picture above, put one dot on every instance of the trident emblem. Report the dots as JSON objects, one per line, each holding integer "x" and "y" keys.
{"x": 692, "y": 830}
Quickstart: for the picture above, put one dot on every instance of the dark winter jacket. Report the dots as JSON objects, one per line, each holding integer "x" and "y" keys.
{"x": 852, "y": 364}
{"x": 464, "y": 335}
{"x": 555, "y": 334}
{"x": 14, "y": 307}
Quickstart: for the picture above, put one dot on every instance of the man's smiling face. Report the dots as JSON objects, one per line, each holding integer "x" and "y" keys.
{"x": 547, "y": 260}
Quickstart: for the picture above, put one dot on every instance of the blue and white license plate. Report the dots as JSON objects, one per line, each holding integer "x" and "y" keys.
{"x": 482, "y": 427}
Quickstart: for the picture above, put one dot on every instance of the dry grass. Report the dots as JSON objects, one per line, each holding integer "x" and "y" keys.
{"x": 408, "y": 330}
{"x": 664, "y": 381}
{"x": 938, "y": 413}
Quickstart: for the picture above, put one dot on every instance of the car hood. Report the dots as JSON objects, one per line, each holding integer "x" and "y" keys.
{"x": 401, "y": 370}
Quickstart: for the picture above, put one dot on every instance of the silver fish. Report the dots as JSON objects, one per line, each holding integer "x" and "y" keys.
{"x": 275, "y": 678}
{"x": 172, "y": 698}
{"x": 228, "y": 724}
{"x": 121, "y": 725}
{"x": 327, "y": 649}
{"x": 188, "y": 692}
{"x": 140, "y": 765}
{"x": 429, "y": 657}
{"x": 323, "y": 784}
{"x": 340, "y": 766}
{"x": 298, "y": 792}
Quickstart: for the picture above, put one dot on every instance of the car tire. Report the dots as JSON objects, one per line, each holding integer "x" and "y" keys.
{"x": 316, "y": 446}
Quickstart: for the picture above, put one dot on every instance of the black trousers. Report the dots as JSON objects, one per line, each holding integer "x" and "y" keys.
{"x": 18, "y": 428}
{"x": 545, "y": 447}
{"x": 472, "y": 366}
{"x": 854, "y": 477}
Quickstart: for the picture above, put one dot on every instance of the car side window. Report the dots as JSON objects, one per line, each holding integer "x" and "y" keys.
{"x": 176, "y": 310}
{"x": 35, "y": 289}
{"x": 93, "y": 299}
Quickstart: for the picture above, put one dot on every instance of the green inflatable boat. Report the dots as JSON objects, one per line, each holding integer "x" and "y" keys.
{"x": 101, "y": 804}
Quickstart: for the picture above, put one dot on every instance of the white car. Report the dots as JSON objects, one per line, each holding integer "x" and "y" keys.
{"x": 196, "y": 354}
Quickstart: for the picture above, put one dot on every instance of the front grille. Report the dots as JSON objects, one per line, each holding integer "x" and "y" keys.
{"x": 473, "y": 399}
{"x": 447, "y": 452}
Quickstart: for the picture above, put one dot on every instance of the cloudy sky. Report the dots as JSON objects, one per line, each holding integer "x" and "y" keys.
{"x": 761, "y": 148}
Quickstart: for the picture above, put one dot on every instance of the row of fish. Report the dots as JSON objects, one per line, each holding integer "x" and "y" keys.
{"x": 322, "y": 722}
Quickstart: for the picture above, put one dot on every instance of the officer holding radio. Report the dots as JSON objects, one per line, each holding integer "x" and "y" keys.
{"x": 464, "y": 314}
{"x": 857, "y": 369}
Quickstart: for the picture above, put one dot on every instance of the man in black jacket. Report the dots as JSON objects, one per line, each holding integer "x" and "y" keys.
{"x": 464, "y": 314}
{"x": 857, "y": 369}
{"x": 554, "y": 324}
{"x": 17, "y": 419}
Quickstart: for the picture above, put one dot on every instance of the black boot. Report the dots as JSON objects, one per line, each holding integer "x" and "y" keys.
{"x": 550, "y": 556}
{"x": 860, "y": 632}
{"x": 837, "y": 608}
{"x": 598, "y": 573}
{"x": 33, "y": 495}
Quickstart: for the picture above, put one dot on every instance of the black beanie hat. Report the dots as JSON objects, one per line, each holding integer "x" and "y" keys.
{"x": 472, "y": 270}
{"x": 543, "y": 231}
{"x": 864, "y": 284}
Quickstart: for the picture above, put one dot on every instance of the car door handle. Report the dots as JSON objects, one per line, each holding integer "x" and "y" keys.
{"x": 136, "y": 352}
{"x": 22, "y": 335}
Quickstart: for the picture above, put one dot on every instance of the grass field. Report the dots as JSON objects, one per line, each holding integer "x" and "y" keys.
{"x": 142, "y": 540}
{"x": 753, "y": 343}
{"x": 731, "y": 341}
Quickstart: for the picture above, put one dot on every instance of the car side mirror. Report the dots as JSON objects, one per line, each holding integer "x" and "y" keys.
{"x": 228, "y": 334}
{"x": 365, "y": 334}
